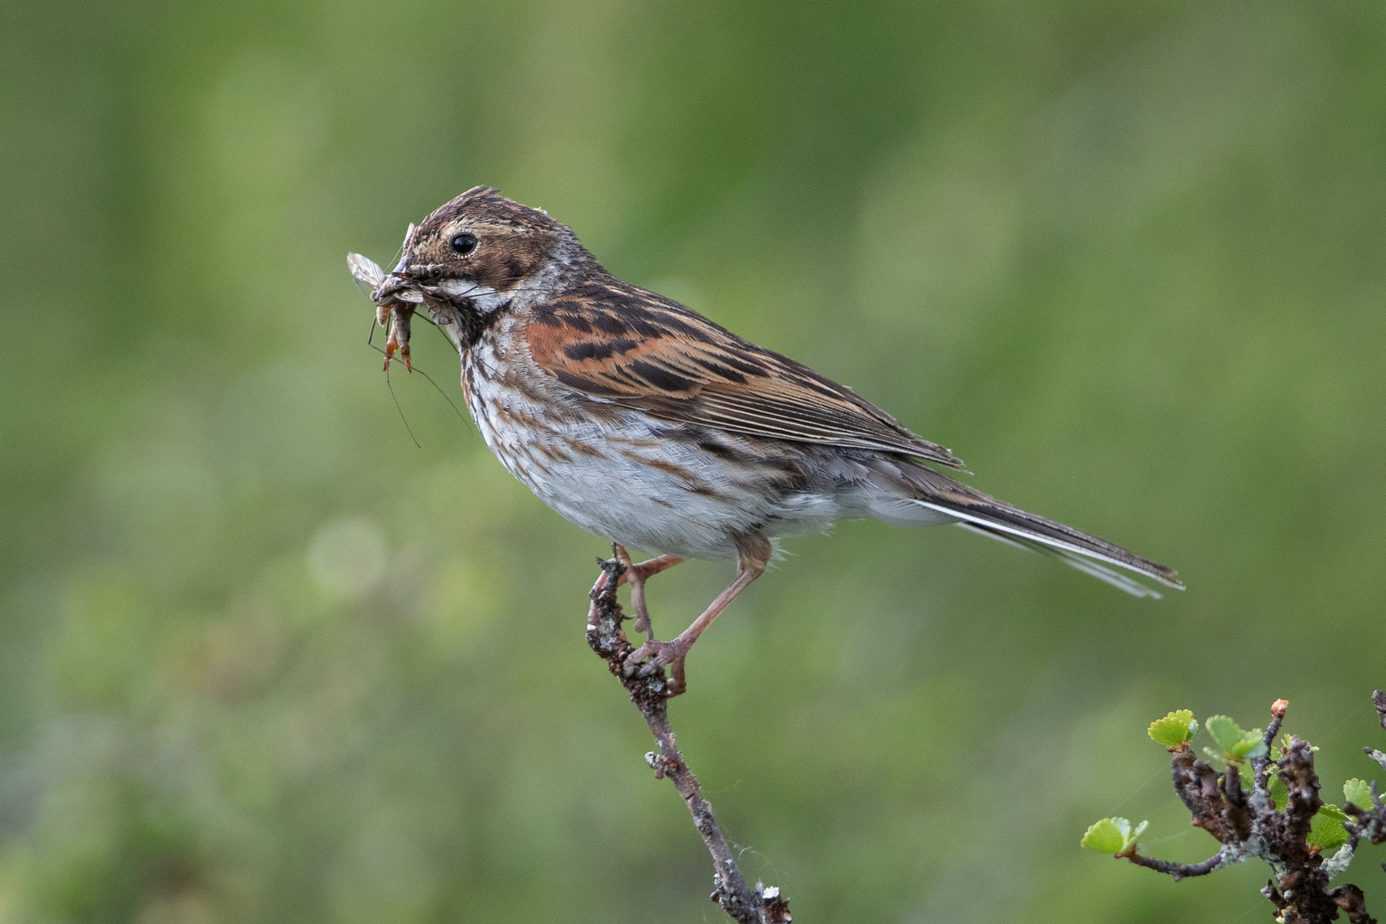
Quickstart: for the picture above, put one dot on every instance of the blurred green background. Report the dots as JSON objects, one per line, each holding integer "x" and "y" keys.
{"x": 265, "y": 660}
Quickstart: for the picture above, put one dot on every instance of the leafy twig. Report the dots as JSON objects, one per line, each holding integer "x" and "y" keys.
{"x": 1283, "y": 820}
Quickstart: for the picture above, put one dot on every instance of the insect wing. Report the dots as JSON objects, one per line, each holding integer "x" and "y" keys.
{"x": 365, "y": 270}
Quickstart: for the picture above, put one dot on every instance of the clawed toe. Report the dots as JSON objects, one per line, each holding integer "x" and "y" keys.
{"x": 651, "y": 656}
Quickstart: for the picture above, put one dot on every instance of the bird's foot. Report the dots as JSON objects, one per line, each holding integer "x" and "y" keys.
{"x": 653, "y": 655}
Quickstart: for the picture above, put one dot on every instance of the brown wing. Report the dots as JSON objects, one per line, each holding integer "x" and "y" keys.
{"x": 637, "y": 349}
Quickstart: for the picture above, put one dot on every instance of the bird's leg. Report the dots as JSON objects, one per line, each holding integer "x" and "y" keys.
{"x": 651, "y": 656}
{"x": 637, "y": 573}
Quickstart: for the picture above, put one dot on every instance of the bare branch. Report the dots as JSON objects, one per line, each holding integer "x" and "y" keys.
{"x": 761, "y": 905}
{"x": 1379, "y": 701}
{"x": 1179, "y": 871}
{"x": 1197, "y": 785}
{"x": 1236, "y": 808}
{"x": 1350, "y": 900}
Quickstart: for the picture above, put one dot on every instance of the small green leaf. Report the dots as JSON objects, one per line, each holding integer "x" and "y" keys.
{"x": 1358, "y": 792}
{"x": 1112, "y": 835}
{"x": 1174, "y": 729}
{"x": 1106, "y": 835}
{"x": 1235, "y": 743}
{"x": 1279, "y": 792}
{"x": 1224, "y": 730}
{"x": 1326, "y": 831}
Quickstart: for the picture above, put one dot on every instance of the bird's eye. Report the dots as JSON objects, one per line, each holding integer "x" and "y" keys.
{"x": 464, "y": 243}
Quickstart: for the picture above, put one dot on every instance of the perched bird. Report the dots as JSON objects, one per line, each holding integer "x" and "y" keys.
{"x": 644, "y": 422}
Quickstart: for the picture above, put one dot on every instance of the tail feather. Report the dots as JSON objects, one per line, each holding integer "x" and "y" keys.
{"x": 1000, "y": 520}
{"x": 1106, "y": 575}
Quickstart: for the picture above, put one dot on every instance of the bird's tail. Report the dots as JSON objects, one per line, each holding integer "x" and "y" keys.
{"x": 998, "y": 520}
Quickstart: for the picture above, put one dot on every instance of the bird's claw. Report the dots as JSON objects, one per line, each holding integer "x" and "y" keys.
{"x": 642, "y": 622}
{"x": 650, "y": 657}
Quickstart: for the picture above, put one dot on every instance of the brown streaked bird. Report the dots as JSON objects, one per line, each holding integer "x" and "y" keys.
{"x": 643, "y": 422}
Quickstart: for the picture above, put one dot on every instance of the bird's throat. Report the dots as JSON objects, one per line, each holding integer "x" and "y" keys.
{"x": 475, "y": 323}
{"x": 462, "y": 321}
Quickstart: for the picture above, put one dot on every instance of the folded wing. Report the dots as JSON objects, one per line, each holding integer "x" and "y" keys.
{"x": 630, "y": 347}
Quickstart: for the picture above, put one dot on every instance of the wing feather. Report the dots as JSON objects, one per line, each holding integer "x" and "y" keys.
{"x": 630, "y": 347}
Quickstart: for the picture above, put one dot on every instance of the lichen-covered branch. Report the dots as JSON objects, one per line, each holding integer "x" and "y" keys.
{"x": 761, "y": 905}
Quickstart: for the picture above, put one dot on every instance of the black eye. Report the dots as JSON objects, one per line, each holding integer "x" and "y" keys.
{"x": 464, "y": 243}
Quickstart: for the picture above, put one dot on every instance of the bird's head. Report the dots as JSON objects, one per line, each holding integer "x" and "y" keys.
{"x": 481, "y": 251}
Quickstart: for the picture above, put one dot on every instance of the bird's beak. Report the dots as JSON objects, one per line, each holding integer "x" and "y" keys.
{"x": 399, "y": 286}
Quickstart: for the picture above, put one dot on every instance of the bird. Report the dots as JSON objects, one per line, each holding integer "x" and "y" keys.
{"x": 644, "y": 422}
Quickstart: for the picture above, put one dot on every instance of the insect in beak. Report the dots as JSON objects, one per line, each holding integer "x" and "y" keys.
{"x": 392, "y": 295}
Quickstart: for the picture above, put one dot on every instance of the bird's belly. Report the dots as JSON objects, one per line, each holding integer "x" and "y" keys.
{"x": 643, "y": 507}
{"x": 624, "y": 477}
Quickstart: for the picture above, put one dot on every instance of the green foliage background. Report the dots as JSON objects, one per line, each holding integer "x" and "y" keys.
{"x": 263, "y": 660}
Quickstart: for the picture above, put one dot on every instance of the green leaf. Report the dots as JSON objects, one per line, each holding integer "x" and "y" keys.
{"x": 1252, "y": 745}
{"x": 1235, "y": 743}
{"x": 1174, "y": 729}
{"x": 1278, "y": 791}
{"x": 1112, "y": 835}
{"x": 1106, "y": 835}
{"x": 1333, "y": 811}
{"x": 1358, "y": 792}
{"x": 1224, "y": 731}
{"x": 1326, "y": 831}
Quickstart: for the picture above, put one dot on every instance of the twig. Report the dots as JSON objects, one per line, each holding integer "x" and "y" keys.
{"x": 761, "y": 905}
{"x": 1250, "y": 825}
{"x": 1379, "y": 701}
{"x": 1179, "y": 871}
